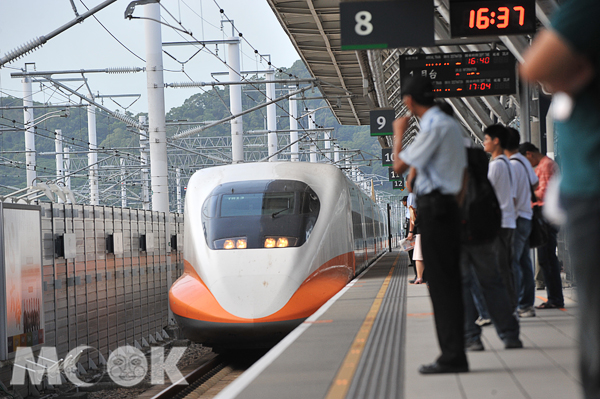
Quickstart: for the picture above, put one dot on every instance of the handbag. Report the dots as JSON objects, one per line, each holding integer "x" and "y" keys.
{"x": 539, "y": 225}
{"x": 539, "y": 228}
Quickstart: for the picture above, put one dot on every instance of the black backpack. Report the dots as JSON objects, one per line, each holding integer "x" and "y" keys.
{"x": 481, "y": 216}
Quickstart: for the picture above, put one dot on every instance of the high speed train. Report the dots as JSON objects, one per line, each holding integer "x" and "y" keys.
{"x": 265, "y": 245}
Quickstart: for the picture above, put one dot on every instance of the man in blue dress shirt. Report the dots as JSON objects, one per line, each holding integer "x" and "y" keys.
{"x": 439, "y": 155}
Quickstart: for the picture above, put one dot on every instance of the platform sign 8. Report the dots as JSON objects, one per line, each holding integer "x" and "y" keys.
{"x": 386, "y": 24}
{"x": 381, "y": 122}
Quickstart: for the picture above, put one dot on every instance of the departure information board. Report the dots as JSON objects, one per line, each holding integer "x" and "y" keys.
{"x": 481, "y": 73}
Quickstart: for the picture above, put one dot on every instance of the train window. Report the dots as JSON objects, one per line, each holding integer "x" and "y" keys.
{"x": 310, "y": 202}
{"x": 209, "y": 209}
{"x": 267, "y": 213}
{"x": 257, "y": 204}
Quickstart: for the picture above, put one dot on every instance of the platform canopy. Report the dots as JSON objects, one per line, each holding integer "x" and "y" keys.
{"x": 354, "y": 82}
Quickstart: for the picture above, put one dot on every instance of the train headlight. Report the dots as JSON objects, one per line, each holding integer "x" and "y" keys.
{"x": 231, "y": 243}
{"x": 280, "y": 242}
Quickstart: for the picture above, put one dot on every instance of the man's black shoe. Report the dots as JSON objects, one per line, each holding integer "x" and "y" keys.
{"x": 513, "y": 343}
{"x": 436, "y": 368}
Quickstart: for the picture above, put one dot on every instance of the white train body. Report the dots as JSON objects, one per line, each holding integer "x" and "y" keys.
{"x": 265, "y": 245}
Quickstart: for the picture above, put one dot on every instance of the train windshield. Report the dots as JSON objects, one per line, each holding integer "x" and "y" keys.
{"x": 260, "y": 214}
{"x": 255, "y": 204}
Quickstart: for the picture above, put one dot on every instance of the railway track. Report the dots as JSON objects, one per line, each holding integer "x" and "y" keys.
{"x": 207, "y": 380}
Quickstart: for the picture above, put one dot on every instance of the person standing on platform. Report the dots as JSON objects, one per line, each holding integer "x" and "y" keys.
{"x": 410, "y": 230}
{"x": 481, "y": 277}
{"x": 439, "y": 155}
{"x": 566, "y": 59}
{"x": 406, "y": 216}
{"x": 545, "y": 168}
{"x": 416, "y": 254}
{"x": 525, "y": 180}
{"x": 501, "y": 176}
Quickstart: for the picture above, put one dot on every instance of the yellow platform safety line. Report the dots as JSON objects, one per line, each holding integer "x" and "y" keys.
{"x": 341, "y": 383}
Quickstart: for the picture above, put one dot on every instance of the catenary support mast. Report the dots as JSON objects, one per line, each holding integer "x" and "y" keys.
{"x": 93, "y": 156}
{"x": 28, "y": 121}
{"x": 271, "y": 118}
{"x": 294, "y": 126}
{"x": 157, "y": 133}
{"x": 235, "y": 102}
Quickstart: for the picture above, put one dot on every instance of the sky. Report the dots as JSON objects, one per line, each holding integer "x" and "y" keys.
{"x": 89, "y": 46}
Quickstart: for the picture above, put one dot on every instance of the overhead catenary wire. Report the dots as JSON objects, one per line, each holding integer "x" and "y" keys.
{"x": 249, "y": 82}
{"x": 113, "y": 36}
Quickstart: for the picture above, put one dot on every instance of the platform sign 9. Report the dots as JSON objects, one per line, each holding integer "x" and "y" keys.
{"x": 393, "y": 176}
{"x": 387, "y": 158}
{"x": 381, "y": 122}
{"x": 398, "y": 184}
{"x": 386, "y": 24}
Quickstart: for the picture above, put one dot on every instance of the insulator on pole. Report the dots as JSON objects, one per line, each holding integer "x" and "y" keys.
{"x": 185, "y": 84}
{"x": 124, "y": 70}
{"x": 22, "y": 50}
{"x": 126, "y": 119}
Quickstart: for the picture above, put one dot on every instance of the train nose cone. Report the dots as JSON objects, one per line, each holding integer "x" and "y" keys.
{"x": 253, "y": 297}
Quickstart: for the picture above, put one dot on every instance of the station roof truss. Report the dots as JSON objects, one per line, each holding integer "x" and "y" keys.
{"x": 372, "y": 78}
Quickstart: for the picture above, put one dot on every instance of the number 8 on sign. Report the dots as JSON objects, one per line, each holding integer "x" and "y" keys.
{"x": 363, "y": 26}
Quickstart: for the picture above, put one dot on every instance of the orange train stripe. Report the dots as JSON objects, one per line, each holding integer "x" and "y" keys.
{"x": 189, "y": 297}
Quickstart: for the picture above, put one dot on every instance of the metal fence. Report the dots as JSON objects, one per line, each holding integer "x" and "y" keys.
{"x": 110, "y": 288}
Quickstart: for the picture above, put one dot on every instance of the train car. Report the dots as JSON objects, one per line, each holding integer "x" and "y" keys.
{"x": 265, "y": 245}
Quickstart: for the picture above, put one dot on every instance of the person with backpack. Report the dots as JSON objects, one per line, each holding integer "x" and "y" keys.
{"x": 481, "y": 220}
{"x": 439, "y": 156}
{"x": 545, "y": 168}
{"x": 525, "y": 181}
{"x": 501, "y": 175}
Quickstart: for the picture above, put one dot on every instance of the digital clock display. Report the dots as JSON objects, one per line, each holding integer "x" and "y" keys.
{"x": 464, "y": 74}
{"x": 492, "y": 17}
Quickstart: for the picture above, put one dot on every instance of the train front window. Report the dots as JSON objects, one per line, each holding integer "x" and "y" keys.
{"x": 267, "y": 214}
{"x": 256, "y": 204}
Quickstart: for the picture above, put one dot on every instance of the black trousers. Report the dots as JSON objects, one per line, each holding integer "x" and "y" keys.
{"x": 440, "y": 238}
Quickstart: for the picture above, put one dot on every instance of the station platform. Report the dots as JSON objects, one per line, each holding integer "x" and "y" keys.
{"x": 369, "y": 340}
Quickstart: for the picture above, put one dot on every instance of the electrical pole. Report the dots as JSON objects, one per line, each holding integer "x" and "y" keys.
{"x": 178, "y": 181}
{"x": 313, "y": 143}
{"x": 156, "y": 110}
{"x": 235, "y": 101}
{"x": 60, "y": 174}
{"x": 123, "y": 185}
{"x": 30, "y": 161}
{"x": 294, "y": 126}
{"x": 67, "y": 169}
{"x": 157, "y": 133}
{"x": 327, "y": 137}
{"x": 93, "y": 155}
{"x": 336, "y": 154}
{"x": 144, "y": 162}
{"x": 271, "y": 117}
